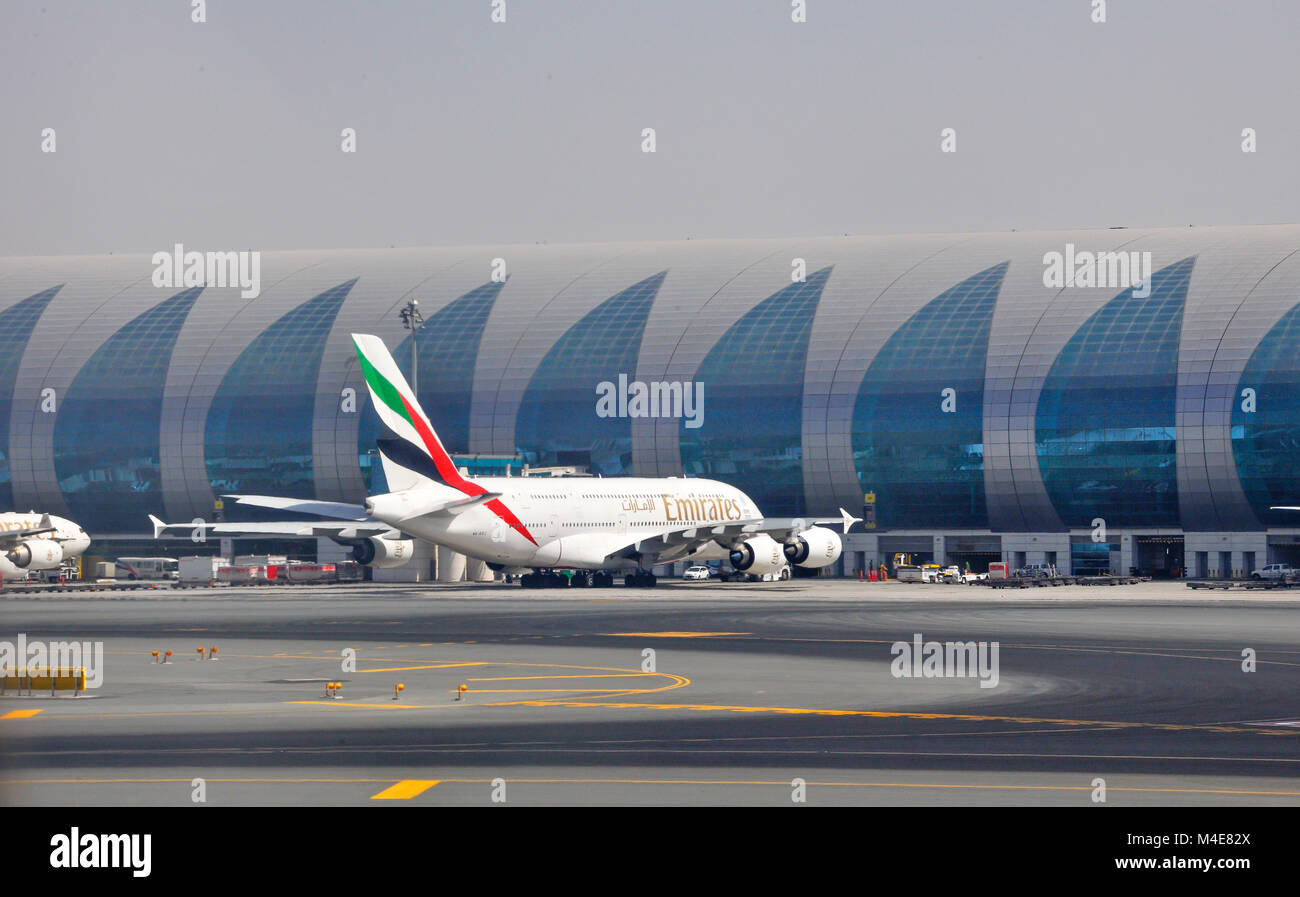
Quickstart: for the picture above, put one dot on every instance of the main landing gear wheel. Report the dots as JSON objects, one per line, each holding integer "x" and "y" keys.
{"x": 640, "y": 580}
{"x": 581, "y": 579}
{"x": 544, "y": 580}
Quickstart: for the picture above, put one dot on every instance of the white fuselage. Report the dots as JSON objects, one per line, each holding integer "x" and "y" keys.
{"x": 573, "y": 522}
{"x": 69, "y": 535}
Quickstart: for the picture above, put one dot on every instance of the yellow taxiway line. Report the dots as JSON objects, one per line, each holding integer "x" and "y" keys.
{"x": 902, "y": 714}
{"x": 434, "y": 666}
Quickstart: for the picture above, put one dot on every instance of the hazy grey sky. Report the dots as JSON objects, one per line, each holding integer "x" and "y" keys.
{"x": 227, "y": 134}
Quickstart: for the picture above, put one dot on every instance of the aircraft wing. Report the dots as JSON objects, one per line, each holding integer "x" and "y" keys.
{"x": 782, "y": 528}
{"x": 339, "y": 530}
{"x": 350, "y": 524}
{"x": 676, "y": 544}
{"x": 673, "y": 545}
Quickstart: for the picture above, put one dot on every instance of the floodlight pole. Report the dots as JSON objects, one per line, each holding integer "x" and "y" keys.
{"x": 413, "y": 321}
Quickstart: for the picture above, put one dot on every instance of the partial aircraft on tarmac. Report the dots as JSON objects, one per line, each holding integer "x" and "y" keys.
{"x": 535, "y": 526}
{"x": 32, "y": 541}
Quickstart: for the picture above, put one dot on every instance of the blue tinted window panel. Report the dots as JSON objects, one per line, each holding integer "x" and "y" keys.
{"x": 558, "y": 421}
{"x": 1104, "y": 430}
{"x": 106, "y": 437}
{"x": 753, "y": 380}
{"x": 258, "y": 436}
{"x": 1266, "y": 441}
{"x": 16, "y": 325}
{"x": 925, "y": 464}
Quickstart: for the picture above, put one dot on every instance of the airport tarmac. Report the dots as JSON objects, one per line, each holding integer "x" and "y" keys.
{"x": 691, "y": 693}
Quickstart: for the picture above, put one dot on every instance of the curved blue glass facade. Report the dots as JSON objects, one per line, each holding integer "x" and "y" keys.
{"x": 447, "y": 347}
{"x": 918, "y": 421}
{"x": 16, "y": 323}
{"x": 1066, "y": 404}
{"x": 1266, "y": 441}
{"x": 1105, "y": 432}
{"x": 559, "y": 422}
{"x": 259, "y": 435}
{"x": 106, "y": 438}
{"x": 752, "y": 433}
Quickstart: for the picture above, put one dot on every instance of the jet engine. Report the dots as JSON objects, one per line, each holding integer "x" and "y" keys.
{"x": 816, "y": 547}
{"x": 377, "y": 552}
{"x": 36, "y": 554}
{"x": 760, "y": 555}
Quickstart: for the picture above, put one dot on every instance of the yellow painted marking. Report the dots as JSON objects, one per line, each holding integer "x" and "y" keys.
{"x": 899, "y": 714}
{"x": 574, "y": 676}
{"x": 674, "y": 682}
{"x": 405, "y": 789}
{"x": 21, "y": 714}
{"x": 531, "y": 691}
{"x": 674, "y": 634}
{"x": 167, "y": 781}
{"x": 432, "y": 666}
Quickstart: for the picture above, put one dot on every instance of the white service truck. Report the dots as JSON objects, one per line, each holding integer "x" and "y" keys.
{"x": 200, "y": 570}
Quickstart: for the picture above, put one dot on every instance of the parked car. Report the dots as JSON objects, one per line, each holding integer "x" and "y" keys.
{"x": 699, "y": 571}
{"x": 1275, "y": 571}
{"x": 1034, "y": 571}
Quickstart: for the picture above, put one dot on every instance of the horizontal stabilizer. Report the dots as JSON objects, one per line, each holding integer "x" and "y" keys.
{"x": 341, "y": 510}
{"x": 460, "y": 507}
{"x": 404, "y": 506}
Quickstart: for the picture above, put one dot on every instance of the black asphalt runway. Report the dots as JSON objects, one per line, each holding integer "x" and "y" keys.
{"x": 688, "y": 694}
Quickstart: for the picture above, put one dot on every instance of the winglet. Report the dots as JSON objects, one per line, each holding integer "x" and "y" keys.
{"x": 849, "y": 520}
{"x": 158, "y": 526}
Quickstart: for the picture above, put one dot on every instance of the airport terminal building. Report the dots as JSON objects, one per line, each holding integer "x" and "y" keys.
{"x": 1104, "y": 399}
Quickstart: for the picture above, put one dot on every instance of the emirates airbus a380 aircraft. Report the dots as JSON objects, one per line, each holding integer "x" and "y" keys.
{"x": 536, "y": 526}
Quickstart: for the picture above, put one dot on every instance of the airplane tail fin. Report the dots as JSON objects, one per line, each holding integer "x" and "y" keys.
{"x": 401, "y": 413}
